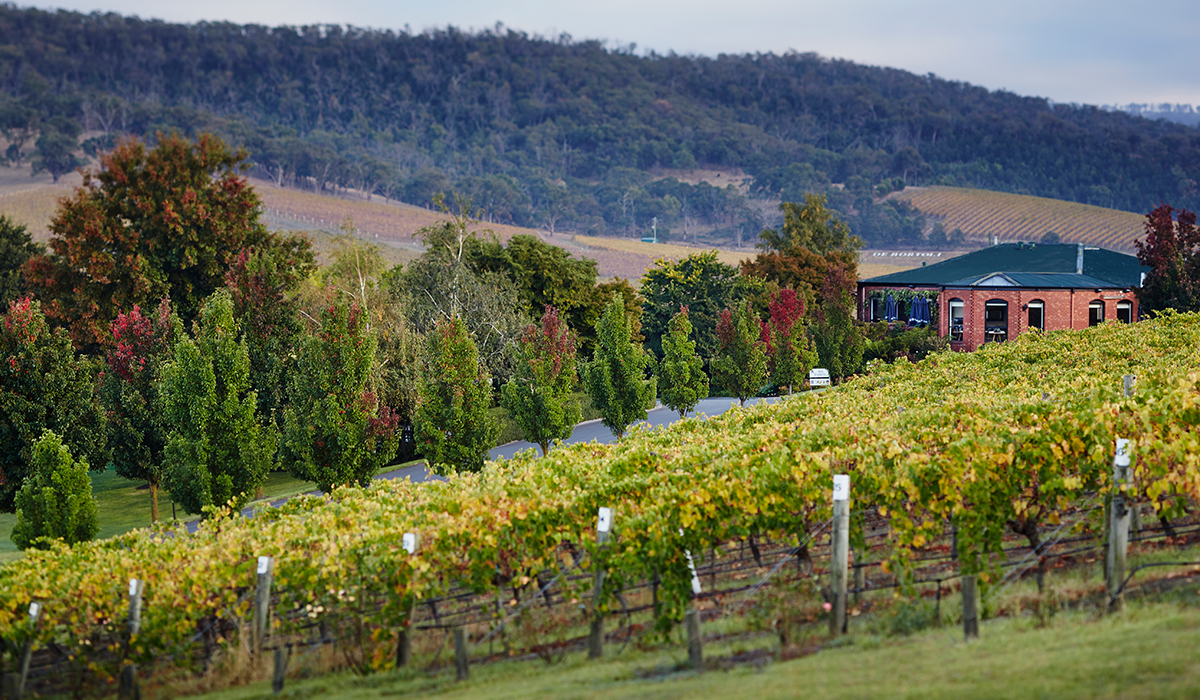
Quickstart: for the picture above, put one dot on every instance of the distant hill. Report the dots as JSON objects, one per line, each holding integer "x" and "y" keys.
{"x": 571, "y": 136}
{"x": 981, "y": 214}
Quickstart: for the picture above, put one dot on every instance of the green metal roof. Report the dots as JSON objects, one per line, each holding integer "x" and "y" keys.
{"x": 1039, "y": 280}
{"x": 1101, "y": 268}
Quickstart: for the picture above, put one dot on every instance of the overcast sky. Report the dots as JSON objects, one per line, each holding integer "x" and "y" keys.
{"x": 1095, "y": 52}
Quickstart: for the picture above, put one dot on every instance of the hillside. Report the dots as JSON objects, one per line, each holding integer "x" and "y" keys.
{"x": 980, "y": 214}
{"x": 570, "y": 135}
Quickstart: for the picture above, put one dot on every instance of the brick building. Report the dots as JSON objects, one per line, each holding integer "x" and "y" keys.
{"x": 1000, "y": 292}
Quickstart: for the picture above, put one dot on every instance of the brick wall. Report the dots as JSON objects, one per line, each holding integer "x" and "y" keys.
{"x": 1063, "y": 309}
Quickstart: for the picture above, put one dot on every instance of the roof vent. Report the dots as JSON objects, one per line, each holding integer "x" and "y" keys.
{"x": 1079, "y": 260}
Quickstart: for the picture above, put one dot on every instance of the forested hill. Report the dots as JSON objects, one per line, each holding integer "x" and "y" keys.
{"x": 570, "y": 134}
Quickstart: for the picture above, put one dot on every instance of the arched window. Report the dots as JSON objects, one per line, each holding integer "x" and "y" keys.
{"x": 1125, "y": 311}
{"x": 995, "y": 321}
{"x": 956, "y": 320}
{"x": 1037, "y": 314}
{"x": 1095, "y": 313}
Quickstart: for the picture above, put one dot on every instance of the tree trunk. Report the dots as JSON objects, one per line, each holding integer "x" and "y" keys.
{"x": 153, "y": 501}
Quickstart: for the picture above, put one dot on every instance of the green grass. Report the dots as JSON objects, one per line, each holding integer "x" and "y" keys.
{"x": 1146, "y": 652}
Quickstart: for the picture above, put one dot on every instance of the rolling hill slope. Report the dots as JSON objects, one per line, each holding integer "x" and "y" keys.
{"x": 1015, "y": 217}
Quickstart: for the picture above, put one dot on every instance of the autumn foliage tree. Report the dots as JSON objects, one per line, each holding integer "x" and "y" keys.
{"x": 1171, "y": 249}
{"x": 453, "y": 428}
{"x": 790, "y": 353}
{"x": 538, "y": 397}
{"x": 44, "y": 385}
{"x": 129, "y": 392}
{"x": 740, "y": 366}
{"x": 840, "y": 340}
{"x": 335, "y": 432}
{"x": 217, "y": 451}
{"x": 681, "y": 378}
{"x": 148, "y": 224}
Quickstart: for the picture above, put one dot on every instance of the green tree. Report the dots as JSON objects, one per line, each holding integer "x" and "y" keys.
{"x": 801, "y": 252}
{"x": 740, "y": 366}
{"x": 839, "y": 338}
{"x": 704, "y": 285}
{"x": 218, "y": 451}
{"x": 149, "y": 224}
{"x": 43, "y": 385}
{"x": 791, "y": 353}
{"x": 55, "y": 502}
{"x": 454, "y": 430}
{"x": 54, "y": 152}
{"x": 538, "y": 397}
{"x": 129, "y": 392}
{"x": 613, "y": 379}
{"x": 681, "y": 378}
{"x": 335, "y": 432}
{"x": 16, "y": 248}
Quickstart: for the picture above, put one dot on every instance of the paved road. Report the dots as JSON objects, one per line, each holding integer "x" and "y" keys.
{"x": 587, "y": 431}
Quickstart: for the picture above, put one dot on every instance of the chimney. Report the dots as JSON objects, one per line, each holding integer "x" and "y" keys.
{"x": 1079, "y": 260}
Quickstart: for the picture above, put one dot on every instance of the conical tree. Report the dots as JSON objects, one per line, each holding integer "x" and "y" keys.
{"x": 218, "y": 450}
{"x": 613, "y": 379}
{"x": 681, "y": 376}
{"x": 56, "y": 501}
{"x": 840, "y": 340}
{"x": 538, "y": 397}
{"x": 453, "y": 429}
{"x": 740, "y": 366}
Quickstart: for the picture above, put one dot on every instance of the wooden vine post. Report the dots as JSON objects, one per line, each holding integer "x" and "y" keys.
{"x": 841, "y": 552}
{"x": 1118, "y": 534}
{"x": 262, "y": 600}
{"x": 970, "y": 603}
{"x": 462, "y": 660}
{"x": 410, "y": 542}
{"x": 596, "y": 632}
{"x": 14, "y": 683}
{"x": 691, "y": 618}
{"x": 129, "y": 688}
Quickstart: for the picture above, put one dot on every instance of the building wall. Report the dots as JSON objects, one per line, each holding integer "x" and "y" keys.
{"x": 1063, "y": 309}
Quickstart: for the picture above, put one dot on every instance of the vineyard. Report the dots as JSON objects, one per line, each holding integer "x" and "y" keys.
{"x": 1014, "y": 217}
{"x": 1009, "y": 448}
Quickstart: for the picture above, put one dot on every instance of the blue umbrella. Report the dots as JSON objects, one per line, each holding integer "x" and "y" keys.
{"x": 914, "y": 311}
{"x": 922, "y": 311}
{"x": 889, "y": 309}
{"x": 927, "y": 311}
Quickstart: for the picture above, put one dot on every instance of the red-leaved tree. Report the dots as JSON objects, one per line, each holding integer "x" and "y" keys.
{"x": 1170, "y": 250}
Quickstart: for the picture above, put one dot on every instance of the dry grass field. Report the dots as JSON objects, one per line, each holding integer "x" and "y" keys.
{"x": 1014, "y": 217}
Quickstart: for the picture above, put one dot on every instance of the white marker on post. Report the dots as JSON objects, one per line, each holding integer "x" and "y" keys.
{"x": 410, "y": 542}
{"x": 1121, "y": 458}
{"x": 264, "y": 564}
{"x": 133, "y": 587}
{"x": 841, "y": 487}
{"x": 604, "y": 520}
{"x": 35, "y": 609}
{"x": 691, "y": 567}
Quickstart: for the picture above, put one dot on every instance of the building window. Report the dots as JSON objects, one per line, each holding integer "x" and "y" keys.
{"x": 1125, "y": 311}
{"x": 995, "y": 321}
{"x": 1037, "y": 314}
{"x": 956, "y": 320}
{"x": 1095, "y": 313}
{"x": 877, "y": 308}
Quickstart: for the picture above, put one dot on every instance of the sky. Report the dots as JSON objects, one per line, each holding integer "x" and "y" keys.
{"x": 1100, "y": 52}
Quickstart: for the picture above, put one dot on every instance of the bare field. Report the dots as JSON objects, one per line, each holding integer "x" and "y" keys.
{"x": 1015, "y": 217}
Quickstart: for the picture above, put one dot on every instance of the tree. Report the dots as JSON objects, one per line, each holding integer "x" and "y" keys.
{"x": 335, "y": 432}
{"x": 800, "y": 253}
{"x": 790, "y": 352}
{"x": 454, "y": 430}
{"x": 538, "y": 397}
{"x": 1171, "y": 249}
{"x": 701, "y": 283}
{"x": 613, "y": 379}
{"x": 55, "y": 502}
{"x": 16, "y": 248}
{"x": 840, "y": 340}
{"x": 43, "y": 385}
{"x": 740, "y": 366}
{"x": 54, "y": 152}
{"x": 149, "y": 224}
{"x": 129, "y": 392}
{"x": 681, "y": 378}
{"x": 217, "y": 451}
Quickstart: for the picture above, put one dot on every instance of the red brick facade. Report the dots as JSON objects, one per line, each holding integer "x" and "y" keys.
{"x": 1062, "y": 309}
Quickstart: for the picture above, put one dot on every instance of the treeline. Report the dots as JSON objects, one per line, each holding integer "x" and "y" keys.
{"x": 564, "y": 134}
{"x": 167, "y": 334}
